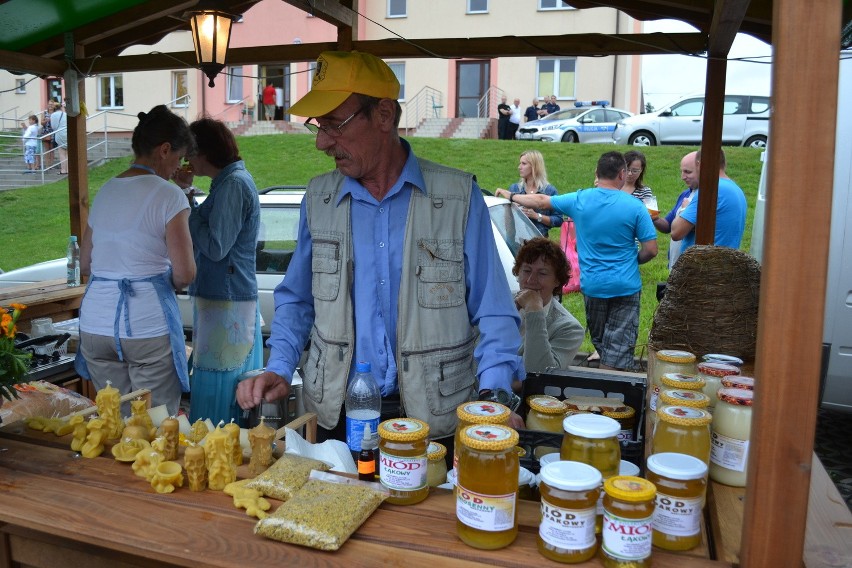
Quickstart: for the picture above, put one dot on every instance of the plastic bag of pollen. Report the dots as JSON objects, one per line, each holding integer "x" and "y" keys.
{"x": 286, "y": 476}
{"x": 324, "y": 512}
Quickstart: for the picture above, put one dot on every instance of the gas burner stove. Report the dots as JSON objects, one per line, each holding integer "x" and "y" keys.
{"x": 43, "y": 367}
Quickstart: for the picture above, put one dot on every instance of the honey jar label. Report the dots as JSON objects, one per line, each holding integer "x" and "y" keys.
{"x": 492, "y": 513}
{"x": 570, "y": 529}
{"x": 677, "y": 516}
{"x": 626, "y": 539}
{"x": 728, "y": 452}
{"x": 403, "y": 473}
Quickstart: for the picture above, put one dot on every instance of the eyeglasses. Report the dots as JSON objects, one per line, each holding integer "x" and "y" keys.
{"x": 332, "y": 131}
{"x": 634, "y": 171}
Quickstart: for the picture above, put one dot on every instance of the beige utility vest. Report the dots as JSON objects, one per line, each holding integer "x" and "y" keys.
{"x": 435, "y": 340}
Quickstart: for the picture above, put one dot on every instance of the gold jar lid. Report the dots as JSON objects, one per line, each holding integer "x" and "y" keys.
{"x": 716, "y": 369}
{"x": 685, "y": 397}
{"x": 684, "y": 415}
{"x": 489, "y": 437}
{"x": 546, "y": 404}
{"x": 628, "y": 412}
{"x": 630, "y": 488}
{"x": 482, "y": 412}
{"x": 683, "y": 381}
{"x": 675, "y": 356}
{"x": 436, "y": 451}
{"x": 403, "y": 430}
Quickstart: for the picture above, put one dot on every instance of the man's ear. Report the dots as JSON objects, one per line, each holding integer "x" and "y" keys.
{"x": 386, "y": 111}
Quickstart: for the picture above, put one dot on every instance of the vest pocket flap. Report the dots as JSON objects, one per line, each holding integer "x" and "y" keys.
{"x": 451, "y": 250}
{"x": 324, "y": 265}
{"x": 440, "y": 273}
{"x": 456, "y": 376}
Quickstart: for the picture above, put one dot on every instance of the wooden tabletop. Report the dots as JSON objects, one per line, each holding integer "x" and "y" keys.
{"x": 53, "y": 298}
{"x": 57, "y": 509}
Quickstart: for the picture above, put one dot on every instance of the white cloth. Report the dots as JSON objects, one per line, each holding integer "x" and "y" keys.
{"x": 31, "y": 135}
{"x": 128, "y": 221}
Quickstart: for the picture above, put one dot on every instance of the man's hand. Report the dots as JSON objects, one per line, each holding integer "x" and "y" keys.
{"x": 265, "y": 386}
{"x": 516, "y": 422}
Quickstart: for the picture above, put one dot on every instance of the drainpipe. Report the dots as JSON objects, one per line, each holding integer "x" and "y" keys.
{"x": 615, "y": 64}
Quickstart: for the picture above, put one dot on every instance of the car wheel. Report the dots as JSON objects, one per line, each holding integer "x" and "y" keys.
{"x": 570, "y": 137}
{"x": 642, "y": 138}
{"x": 758, "y": 141}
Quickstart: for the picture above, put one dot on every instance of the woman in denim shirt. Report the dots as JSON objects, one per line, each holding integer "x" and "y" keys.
{"x": 533, "y": 180}
{"x": 224, "y": 228}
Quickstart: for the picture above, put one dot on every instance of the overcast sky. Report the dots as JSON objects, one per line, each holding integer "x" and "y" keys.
{"x": 666, "y": 78}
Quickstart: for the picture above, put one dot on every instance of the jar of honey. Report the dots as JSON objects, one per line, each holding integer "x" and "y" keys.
{"x": 722, "y": 358}
{"x": 546, "y": 413}
{"x": 664, "y": 362}
{"x": 683, "y": 430}
{"x": 681, "y": 482}
{"x": 627, "y": 528}
{"x": 738, "y": 382}
{"x": 477, "y": 412}
{"x": 526, "y": 485}
{"x": 569, "y": 493}
{"x": 436, "y": 468}
{"x": 592, "y": 439}
{"x": 403, "y": 464}
{"x": 731, "y": 434}
{"x": 627, "y": 419}
{"x": 682, "y": 397}
{"x": 713, "y": 372}
{"x": 487, "y": 486}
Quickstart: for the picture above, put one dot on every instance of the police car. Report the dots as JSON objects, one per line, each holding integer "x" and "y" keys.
{"x": 589, "y": 121}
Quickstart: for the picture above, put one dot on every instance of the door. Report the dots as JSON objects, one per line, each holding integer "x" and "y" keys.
{"x": 734, "y": 113}
{"x": 279, "y": 76}
{"x": 472, "y": 80}
{"x": 684, "y": 124}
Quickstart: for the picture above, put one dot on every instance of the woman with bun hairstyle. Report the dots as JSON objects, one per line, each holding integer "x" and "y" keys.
{"x": 137, "y": 250}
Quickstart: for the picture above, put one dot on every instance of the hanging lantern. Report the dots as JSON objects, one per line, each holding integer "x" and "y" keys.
{"x": 211, "y": 34}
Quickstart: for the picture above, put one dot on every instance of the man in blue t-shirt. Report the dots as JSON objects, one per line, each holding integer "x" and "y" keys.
{"x": 689, "y": 175}
{"x": 731, "y": 210}
{"x": 608, "y": 222}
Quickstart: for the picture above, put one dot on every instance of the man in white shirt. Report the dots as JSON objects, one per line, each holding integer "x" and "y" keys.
{"x": 514, "y": 119}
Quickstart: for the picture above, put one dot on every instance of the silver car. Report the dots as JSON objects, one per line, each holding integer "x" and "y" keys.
{"x": 582, "y": 124}
{"x": 279, "y": 224}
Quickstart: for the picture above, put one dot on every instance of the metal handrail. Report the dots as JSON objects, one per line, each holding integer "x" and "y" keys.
{"x": 427, "y": 102}
{"x": 487, "y": 105}
{"x": 243, "y": 112}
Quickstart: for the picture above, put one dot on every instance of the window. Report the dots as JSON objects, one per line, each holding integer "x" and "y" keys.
{"x": 692, "y": 107}
{"x": 235, "y": 84}
{"x": 397, "y": 9}
{"x": 557, "y": 77}
{"x": 111, "y": 91}
{"x": 554, "y": 5}
{"x": 180, "y": 92}
{"x": 399, "y": 70}
{"x": 477, "y": 6}
{"x": 20, "y": 86}
{"x": 759, "y": 105}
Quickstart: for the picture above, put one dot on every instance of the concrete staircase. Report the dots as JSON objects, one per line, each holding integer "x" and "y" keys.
{"x": 265, "y": 128}
{"x": 457, "y": 128}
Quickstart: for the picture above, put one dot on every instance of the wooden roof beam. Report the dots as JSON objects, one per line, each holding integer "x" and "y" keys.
{"x": 24, "y": 63}
{"x": 329, "y": 11}
{"x": 727, "y": 19}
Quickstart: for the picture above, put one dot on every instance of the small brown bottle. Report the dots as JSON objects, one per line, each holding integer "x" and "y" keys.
{"x": 367, "y": 457}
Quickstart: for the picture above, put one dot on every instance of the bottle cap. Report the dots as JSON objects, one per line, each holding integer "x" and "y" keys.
{"x": 73, "y": 238}
{"x": 369, "y": 441}
{"x": 362, "y": 367}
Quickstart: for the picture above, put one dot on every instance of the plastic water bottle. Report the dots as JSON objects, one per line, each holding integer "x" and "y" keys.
{"x": 363, "y": 406}
{"x": 73, "y": 257}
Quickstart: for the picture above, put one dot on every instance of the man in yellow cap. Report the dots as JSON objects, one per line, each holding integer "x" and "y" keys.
{"x": 395, "y": 265}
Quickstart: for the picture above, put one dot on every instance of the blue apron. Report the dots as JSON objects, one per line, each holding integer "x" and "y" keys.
{"x": 168, "y": 301}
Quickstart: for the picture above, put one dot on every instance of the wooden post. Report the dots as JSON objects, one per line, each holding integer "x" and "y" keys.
{"x": 806, "y": 38}
{"x": 711, "y": 142}
{"x": 78, "y": 171}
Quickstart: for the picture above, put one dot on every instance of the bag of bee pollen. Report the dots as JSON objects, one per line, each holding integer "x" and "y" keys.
{"x": 286, "y": 476}
{"x": 324, "y": 512}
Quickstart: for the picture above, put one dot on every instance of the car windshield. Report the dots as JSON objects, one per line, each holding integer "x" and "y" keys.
{"x": 565, "y": 114}
{"x": 512, "y": 225}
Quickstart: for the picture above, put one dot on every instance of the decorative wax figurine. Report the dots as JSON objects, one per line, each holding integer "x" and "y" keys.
{"x": 198, "y": 430}
{"x": 219, "y": 450}
{"x": 140, "y": 417}
{"x": 109, "y": 409}
{"x": 166, "y": 477}
{"x": 95, "y": 436}
{"x": 79, "y": 432}
{"x": 194, "y": 462}
{"x": 147, "y": 460}
{"x": 260, "y": 438}
{"x": 233, "y": 430}
{"x": 170, "y": 430}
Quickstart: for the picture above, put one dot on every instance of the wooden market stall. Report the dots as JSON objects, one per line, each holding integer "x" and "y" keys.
{"x": 805, "y": 35}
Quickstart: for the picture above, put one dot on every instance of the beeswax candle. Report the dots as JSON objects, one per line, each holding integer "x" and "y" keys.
{"x": 79, "y": 437}
{"x": 95, "y": 436}
{"x": 167, "y": 476}
{"x": 233, "y": 431}
{"x": 109, "y": 410}
{"x": 140, "y": 416}
{"x": 261, "y": 438}
{"x": 219, "y": 450}
{"x": 194, "y": 462}
{"x": 170, "y": 430}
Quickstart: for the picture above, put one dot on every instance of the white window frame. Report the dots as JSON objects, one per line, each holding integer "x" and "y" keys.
{"x": 556, "y": 82}
{"x": 112, "y": 104}
{"x": 472, "y": 10}
{"x": 401, "y": 9}
{"x": 554, "y": 5}
{"x": 184, "y": 102}
{"x": 20, "y": 86}
{"x": 398, "y": 68}
{"x": 234, "y": 74}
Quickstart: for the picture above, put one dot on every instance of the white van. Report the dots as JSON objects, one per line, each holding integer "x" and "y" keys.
{"x": 746, "y": 123}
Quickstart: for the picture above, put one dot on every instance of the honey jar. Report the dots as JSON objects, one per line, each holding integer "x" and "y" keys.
{"x": 713, "y": 372}
{"x": 683, "y": 430}
{"x": 627, "y": 527}
{"x": 477, "y": 412}
{"x": 627, "y": 419}
{"x": 722, "y": 358}
{"x": 681, "y": 483}
{"x": 738, "y": 382}
{"x": 592, "y": 439}
{"x": 569, "y": 493}
{"x": 546, "y": 413}
{"x": 683, "y": 397}
{"x": 436, "y": 468}
{"x": 403, "y": 464}
{"x": 487, "y": 486}
{"x": 664, "y": 362}
{"x": 731, "y": 434}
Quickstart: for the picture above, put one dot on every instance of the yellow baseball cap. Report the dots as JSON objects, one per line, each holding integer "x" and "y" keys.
{"x": 341, "y": 73}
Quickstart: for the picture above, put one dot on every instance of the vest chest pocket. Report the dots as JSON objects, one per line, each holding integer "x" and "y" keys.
{"x": 440, "y": 274}
{"x": 325, "y": 268}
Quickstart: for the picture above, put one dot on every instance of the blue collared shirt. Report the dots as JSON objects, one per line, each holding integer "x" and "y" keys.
{"x": 378, "y": 232}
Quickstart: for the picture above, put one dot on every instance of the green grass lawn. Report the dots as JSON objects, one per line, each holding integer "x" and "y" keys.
{"x": 35, "y": 220}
